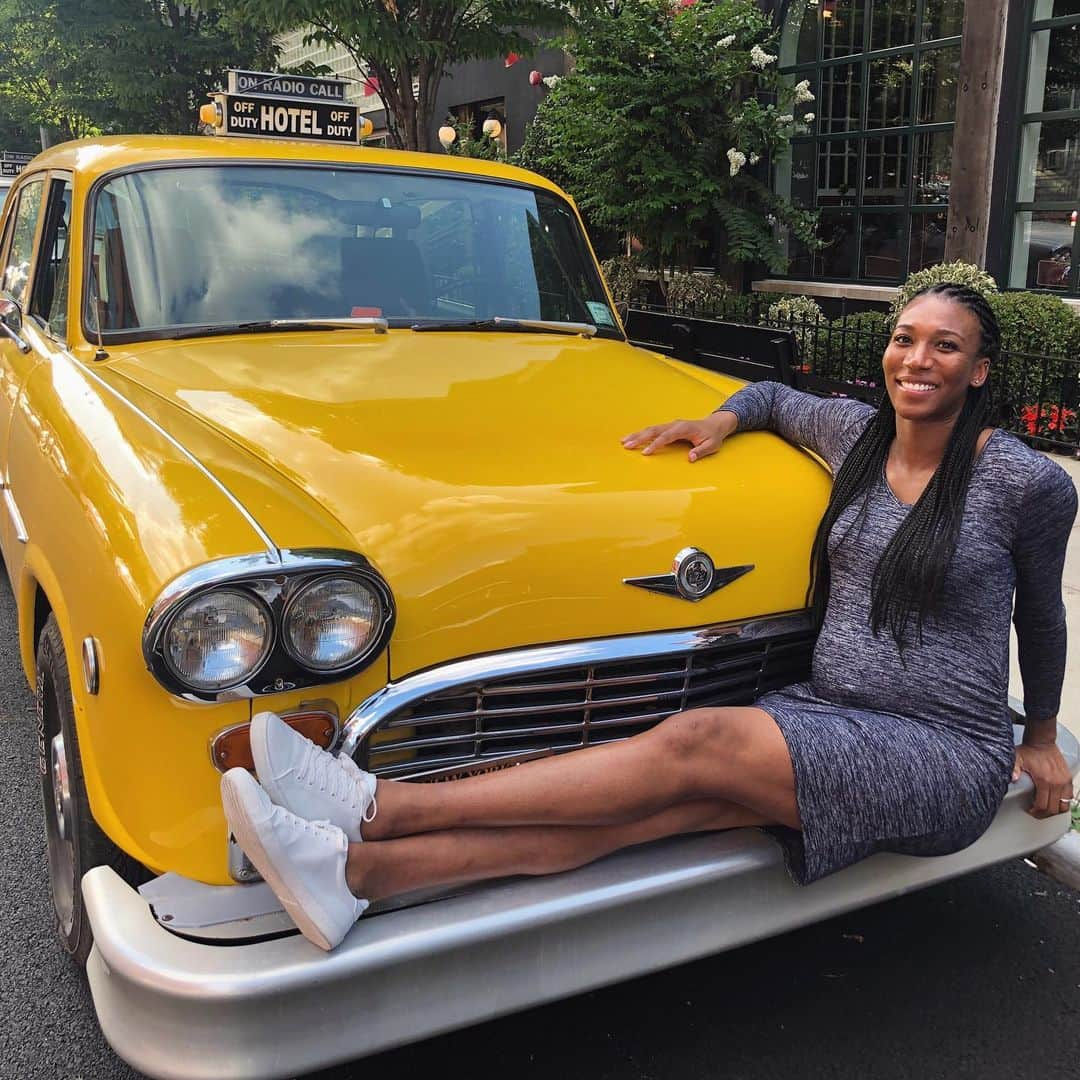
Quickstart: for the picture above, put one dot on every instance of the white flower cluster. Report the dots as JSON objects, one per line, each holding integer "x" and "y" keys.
{"x": 759, "y": 58}
{"x": 808, "y": 118}
{"x": 737, "y": 159}
{"x": 551, "y": 81}
{"x": 802, "y": 92}
{"x": 755, "y": 158}
{"x": 726, "y": 42}
{"x": 785, "y": 118}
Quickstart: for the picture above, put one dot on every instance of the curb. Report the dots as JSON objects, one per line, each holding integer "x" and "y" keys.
{"x": 1061, "y": 860}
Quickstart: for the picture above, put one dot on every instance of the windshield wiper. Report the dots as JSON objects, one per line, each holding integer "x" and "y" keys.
{"x": 539, "y": 326}
{"x": 265, "y": 326}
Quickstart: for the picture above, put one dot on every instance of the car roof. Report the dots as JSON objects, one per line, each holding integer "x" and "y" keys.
{"x": 94, "y": 157}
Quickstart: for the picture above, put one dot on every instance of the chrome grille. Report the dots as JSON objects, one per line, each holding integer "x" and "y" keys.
{"x": 578, "y": 705}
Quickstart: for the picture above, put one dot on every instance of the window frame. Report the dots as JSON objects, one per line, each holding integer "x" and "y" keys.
{"x": 57, "y": 180}
{"x": 908, "y": 209}
{"x": 1032, "y": 26}
{"x": 13, "y": 201}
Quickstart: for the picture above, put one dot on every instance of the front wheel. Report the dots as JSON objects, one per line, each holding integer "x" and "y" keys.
{"x": 75, "y": 843}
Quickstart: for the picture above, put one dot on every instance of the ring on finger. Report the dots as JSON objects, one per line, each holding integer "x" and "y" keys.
{"x": 1065, "y": 802}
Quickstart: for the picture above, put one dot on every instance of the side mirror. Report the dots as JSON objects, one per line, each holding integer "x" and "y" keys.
{"x": 11, "y": 321}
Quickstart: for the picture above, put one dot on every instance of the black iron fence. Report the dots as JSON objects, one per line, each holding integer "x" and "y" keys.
{"x": 1037, "y": 396}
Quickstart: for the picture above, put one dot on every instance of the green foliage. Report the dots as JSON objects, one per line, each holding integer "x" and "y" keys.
{"x": 467, "y": 145}
{"x": 699, "y": 294}
{"x": 1039, "y": 325}
{"x": 858, "y": 342}
{"x": 804, "y": 316}
{"x": 955, "y": 273}
{"x": 622, "y": 277}
{"x": 408, "y": 44}
{"x": 657, "y": 130}
{"x": 118, "y": 65}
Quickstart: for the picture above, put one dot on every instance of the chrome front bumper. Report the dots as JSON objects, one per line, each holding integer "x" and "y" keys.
{"x": 181, "y": 1010}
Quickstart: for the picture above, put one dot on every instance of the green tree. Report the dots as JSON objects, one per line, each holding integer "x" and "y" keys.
{"x": 41, "y": 80}
{"x": 156, "y": 61}
{"x": 659, "y": 127}
{"x": 408, "y": 44}
{"x": 118, "y": 65}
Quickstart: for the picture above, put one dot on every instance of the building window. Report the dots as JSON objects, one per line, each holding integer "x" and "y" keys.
{"x": 872, "y": 152}
{"x": 475, "y": 113}
{"x": 1048, "y": 170}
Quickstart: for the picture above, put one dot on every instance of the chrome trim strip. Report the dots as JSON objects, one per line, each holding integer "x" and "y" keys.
{"x": 271, "y": 548}
{"x": 17, "y": 522}
{"x": 367, "y": 716}
{"x": 91, "y": 669}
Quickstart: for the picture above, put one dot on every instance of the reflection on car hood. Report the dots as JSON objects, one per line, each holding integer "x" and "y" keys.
{"x": 483, "y": 476}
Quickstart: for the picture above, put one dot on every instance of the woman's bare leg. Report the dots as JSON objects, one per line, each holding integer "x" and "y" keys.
{"x": 377, "y": 869}
{"x": 735, "y": 754}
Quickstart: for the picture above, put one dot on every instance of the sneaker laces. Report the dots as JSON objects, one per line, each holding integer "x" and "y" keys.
{"x": 321, "y": 769}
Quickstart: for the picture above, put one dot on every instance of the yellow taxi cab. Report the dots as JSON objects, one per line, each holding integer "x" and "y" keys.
{"x": 334, "y": 431}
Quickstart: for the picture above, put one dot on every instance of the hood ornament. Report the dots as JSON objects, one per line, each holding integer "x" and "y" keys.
{"x": 693, "y": 576}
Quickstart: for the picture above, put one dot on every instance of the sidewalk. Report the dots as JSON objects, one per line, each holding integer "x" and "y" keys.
{"x": 1070, "y": 698}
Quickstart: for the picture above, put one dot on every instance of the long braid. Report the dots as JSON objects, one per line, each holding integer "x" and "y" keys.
{"x": 909, "y": 579}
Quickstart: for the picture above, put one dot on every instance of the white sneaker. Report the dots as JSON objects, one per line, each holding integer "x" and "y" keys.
{"x": 308, "y": 780}
{"x": 302, "y": 861}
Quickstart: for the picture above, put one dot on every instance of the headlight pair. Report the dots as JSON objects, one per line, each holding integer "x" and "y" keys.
{"x": 265, "y": 633}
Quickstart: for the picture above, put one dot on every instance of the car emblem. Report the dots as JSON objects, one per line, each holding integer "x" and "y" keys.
{"x": 693, "y": 576}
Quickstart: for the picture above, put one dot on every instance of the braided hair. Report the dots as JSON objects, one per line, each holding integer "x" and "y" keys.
{"x": 909, "y": 578}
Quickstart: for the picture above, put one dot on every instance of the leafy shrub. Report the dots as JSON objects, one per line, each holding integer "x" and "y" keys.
{"x": 857, "y": 343}
{"x": 805, "y": 317}
{"x": 1039, "y": 325}
{"x": 955, "y": 273}
{"x": 623, "y": 280}
{"x": 697, "y": 294}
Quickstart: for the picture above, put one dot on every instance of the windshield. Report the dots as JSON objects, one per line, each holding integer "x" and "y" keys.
{"x": 179, "y": 250}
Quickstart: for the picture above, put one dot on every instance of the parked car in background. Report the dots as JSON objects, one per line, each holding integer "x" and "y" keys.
{"x": 335, "y": 432}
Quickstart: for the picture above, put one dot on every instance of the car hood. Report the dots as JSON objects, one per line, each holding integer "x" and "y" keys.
{"x": 482, "y": 474}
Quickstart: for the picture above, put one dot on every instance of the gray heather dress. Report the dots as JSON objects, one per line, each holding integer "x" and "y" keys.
{"x": 914, "y": 755}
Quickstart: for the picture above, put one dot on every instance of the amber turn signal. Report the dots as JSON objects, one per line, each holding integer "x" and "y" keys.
{"x": 231, "y": 748}
{"x": 210, "y": 113}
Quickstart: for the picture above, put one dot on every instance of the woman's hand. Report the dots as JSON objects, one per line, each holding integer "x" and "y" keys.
{"x": 1046, "y": 766}
{"x": 704, "y": 436}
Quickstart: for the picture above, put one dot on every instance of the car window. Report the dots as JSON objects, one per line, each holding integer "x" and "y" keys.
{"x": 199, "y": 247}
{"x": 16, "y": 278}
{"x": 50, "y": 296}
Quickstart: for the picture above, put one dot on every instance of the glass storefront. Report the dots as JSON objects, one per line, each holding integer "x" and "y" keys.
{"x": 1048, "y": 170}
{"x": 873, "y": 151}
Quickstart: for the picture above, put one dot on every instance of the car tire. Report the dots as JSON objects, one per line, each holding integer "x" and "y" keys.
{"x": 75, "y": 842}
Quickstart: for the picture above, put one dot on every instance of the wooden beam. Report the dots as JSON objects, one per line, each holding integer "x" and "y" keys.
{"x": 978, "y": 113}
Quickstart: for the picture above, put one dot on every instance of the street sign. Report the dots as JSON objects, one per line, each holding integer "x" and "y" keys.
{"x": 268, "y": 84}
{"x": 12, "y": 163}
{"x": 292, "y": 118}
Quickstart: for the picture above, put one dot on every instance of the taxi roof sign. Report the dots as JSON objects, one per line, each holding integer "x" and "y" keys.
{"x": 262, "y": 105}
{"x": 12, "y": 162}
{"x": 277, "y": 85}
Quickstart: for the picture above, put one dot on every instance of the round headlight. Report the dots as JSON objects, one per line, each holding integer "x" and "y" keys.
{"x": 218, "y": 640}
{"x": 332, "y": 622}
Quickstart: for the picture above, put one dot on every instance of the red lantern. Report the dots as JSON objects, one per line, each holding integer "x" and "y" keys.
{"x": 511, "y": 59}
{"x": 535, "y": 78}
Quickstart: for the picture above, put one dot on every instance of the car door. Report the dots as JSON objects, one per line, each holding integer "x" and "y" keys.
{"x": 35, "y": 277}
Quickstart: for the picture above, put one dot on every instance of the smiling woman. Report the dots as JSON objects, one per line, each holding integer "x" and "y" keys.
{"x": 900, "y": 741}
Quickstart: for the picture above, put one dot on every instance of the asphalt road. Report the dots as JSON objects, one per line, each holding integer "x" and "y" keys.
{"x": 978, "y": 978}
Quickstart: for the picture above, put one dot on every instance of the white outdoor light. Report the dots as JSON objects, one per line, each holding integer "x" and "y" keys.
{"x": 446, "y": 136}
{"x": 492, "y": 127}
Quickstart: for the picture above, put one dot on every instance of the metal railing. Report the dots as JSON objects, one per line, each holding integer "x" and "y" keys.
{"x": 1037, "y": 396}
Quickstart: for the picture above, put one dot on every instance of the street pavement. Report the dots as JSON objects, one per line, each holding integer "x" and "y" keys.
{"x": 975, "y": 979}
